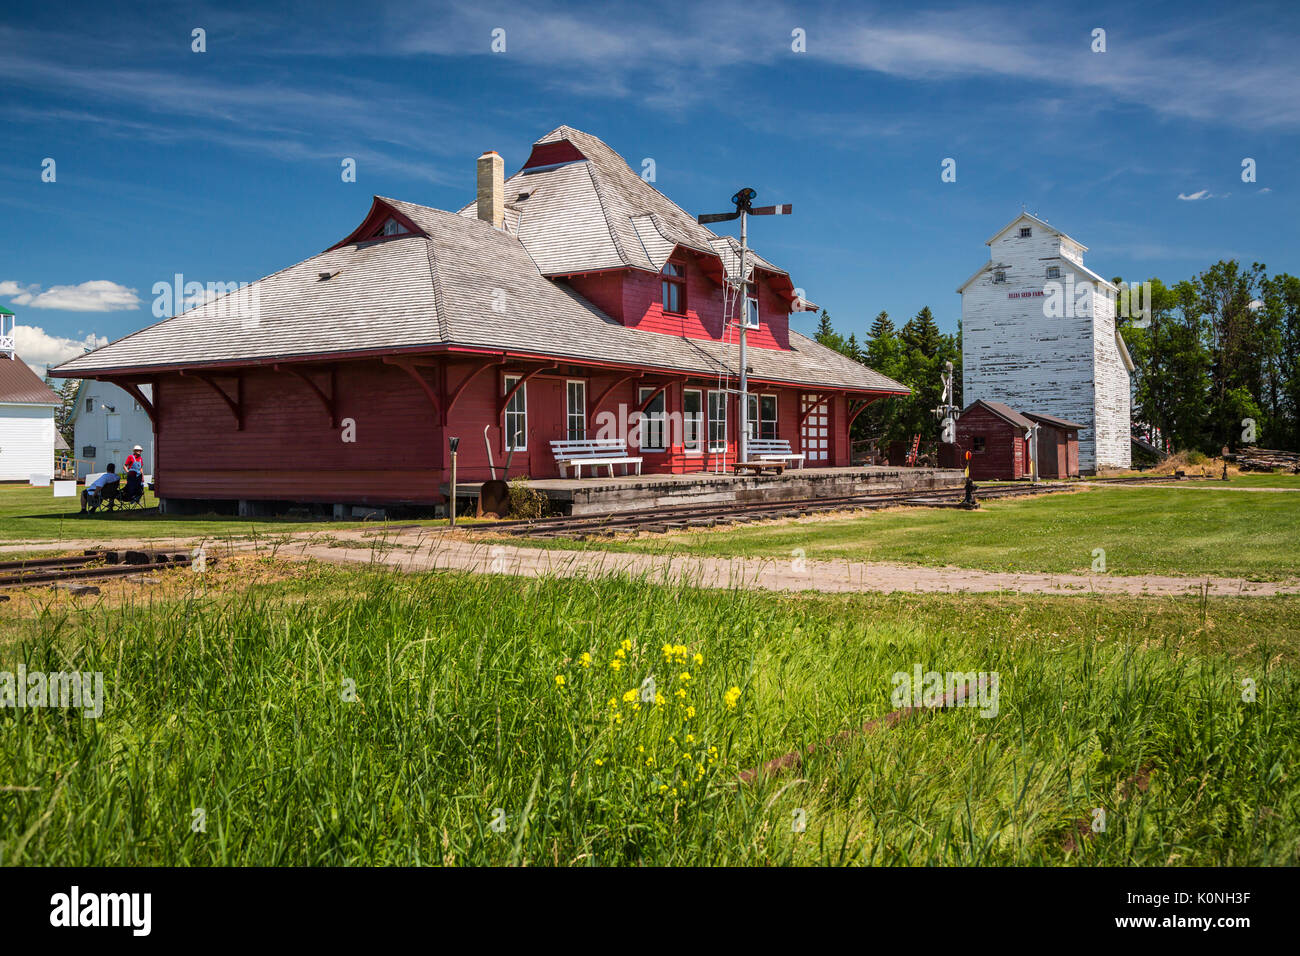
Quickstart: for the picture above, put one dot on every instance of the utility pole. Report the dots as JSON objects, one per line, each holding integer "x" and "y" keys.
{"x": 742, "y": 444}
{"x": 744, "y": 200}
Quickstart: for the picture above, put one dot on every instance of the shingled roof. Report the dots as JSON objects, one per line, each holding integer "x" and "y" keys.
{"x": 589, "y": 211}
{"x": 456, "y": 281}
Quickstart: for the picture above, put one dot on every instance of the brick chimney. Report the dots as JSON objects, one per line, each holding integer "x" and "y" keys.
{"x": 491, "y": 189}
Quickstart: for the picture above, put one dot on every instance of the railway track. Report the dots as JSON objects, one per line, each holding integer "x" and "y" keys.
{"x": 97, "y": 563}
{"x": 684, "y": 517}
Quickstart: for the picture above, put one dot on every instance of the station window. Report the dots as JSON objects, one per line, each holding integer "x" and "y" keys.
{"x": 692, "y": 419}
{"x": 516, "y": 415}
{"x": 673, "y": 286}
{"x": 978, "y": 444}
{"x": 717, "y": 421}
{"x": 1053, "y": 272}
{"x": 652, "y": 420}
{"x": 762, "y": 416}
{"x": 1025, "y": 232}
{"x": 999, "y": 276}
{"x": 576, "y": 410}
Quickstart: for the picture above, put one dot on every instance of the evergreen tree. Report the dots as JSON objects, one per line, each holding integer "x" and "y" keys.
{"x": 852, "y": 349}
{"x": 826, "y": 334}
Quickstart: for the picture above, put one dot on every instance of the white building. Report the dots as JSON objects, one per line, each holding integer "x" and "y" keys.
{"x": 106, "y": 423}
{"x": 27, "y": 409}
{"x": 1039, "y": 332}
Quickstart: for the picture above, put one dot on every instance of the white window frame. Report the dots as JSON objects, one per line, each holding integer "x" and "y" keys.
{"x": 697, "y": 419}
{"x": 571, "y": 414}
{"x": 1053, "y": 272}
{"x": 755, "y": 417}
{"x": 999, "y": 276}
{"x": 714, "y": 448}
{"x": 109, "y": 421}
{"x": 1026, "y": 232}
{"x": 517, "y": 409}
{"x": 659, "y": 419}
{"x": 397, "y": 229}
{"x": 751, "y": 312}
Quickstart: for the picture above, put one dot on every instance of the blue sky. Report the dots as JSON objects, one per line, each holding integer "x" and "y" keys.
{"x": 224, "y": 166}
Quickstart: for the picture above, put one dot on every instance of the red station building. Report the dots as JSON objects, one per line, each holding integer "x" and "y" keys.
{"x": 564, "y": 299}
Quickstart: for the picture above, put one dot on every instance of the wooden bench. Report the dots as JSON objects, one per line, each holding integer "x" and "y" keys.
{"x": 773, "y": 449}
{"x": 597, "y": 452}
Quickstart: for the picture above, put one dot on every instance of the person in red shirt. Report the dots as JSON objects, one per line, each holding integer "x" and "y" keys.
{"x": 135, "y": 461}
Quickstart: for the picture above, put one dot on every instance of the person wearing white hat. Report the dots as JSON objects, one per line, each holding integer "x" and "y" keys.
{"x": 135, "y": 461}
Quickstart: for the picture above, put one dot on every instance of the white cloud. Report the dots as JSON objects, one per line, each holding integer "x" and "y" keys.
{"x": 97, "y": 295}
{"x": 39, "y": 349}
{"x": 1198, "y": 195}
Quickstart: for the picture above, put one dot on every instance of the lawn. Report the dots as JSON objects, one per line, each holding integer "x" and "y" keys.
{"x": 355, "y": 716}
{"x": 1182, "y": 531}
{"x": 34, "y": 514}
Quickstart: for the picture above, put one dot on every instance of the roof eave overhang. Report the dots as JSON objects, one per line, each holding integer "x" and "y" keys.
{"x": 144, "y": 373}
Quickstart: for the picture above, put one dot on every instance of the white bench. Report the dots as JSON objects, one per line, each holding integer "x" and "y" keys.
{"x": 773, "y": 449}
{"x": 597, "y": 452}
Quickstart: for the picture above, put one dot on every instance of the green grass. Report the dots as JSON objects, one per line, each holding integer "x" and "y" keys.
{"x": 1177, "y": 531}
{"x": 34, "y": 514}
{"x": 235, "y": 703}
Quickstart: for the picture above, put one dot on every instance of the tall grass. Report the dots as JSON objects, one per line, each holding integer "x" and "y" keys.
{"x": 461, "y": 747}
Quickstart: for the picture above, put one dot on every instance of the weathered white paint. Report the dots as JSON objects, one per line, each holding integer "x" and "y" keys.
{"x": 91, "y": 427}
{"x": 1066, "y": 365}
{"x": 26, "y": 441}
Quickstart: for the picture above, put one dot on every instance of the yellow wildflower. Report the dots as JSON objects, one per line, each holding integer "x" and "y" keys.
{"x": 615, "y": 664}
{"x": 630, "y": 696}
{"x": 731, "y": 697}
{"x": 559, "y": 680}
{"x": 699, "y": 659}
{"x": 585, "y": 659}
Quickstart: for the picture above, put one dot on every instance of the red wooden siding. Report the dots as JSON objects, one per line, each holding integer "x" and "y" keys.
{"x": 1005, "y": 455}
{"x": 635, "y": 297}
{"x": 287, "y": 449}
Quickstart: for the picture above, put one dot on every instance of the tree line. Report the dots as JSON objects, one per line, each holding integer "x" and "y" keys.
{"x": 1217, "y": 362}
{"x": 914, "y": 355}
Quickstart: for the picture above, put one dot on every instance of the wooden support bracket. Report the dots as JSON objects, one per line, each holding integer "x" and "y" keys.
{"x": 235, "y": 404}
{"x": 330, "y": 401}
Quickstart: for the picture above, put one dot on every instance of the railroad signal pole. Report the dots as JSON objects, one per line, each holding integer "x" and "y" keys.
{"x": 744, "y": 200}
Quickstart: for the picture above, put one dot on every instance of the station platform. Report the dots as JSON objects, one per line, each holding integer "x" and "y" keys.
{"x": 601, "y": 495}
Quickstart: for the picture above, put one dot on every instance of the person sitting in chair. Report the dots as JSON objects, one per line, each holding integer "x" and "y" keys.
{"x": 134, "y": 489}
{"x": 103, "y": 488}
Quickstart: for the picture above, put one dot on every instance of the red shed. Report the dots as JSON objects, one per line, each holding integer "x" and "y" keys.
{"x": 1058, "y": 446}
{"x": 568, "y": 300}
{"x": 995, "y": 435}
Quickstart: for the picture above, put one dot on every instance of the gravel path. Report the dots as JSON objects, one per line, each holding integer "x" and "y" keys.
{"x": 425, "y": 551}
{"x": 429, "y": 550}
